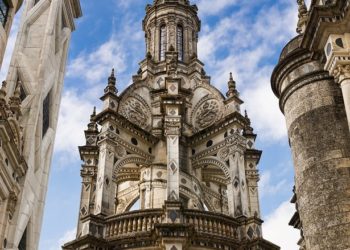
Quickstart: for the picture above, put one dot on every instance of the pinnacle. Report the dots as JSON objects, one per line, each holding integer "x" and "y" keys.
{"x": 232, "y": 91}
{"x": 111, "y": 87}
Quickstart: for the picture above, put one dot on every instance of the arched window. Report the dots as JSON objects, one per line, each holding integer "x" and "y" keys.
{"x": 162, "y": 43}
{"x": 180, "y": 42}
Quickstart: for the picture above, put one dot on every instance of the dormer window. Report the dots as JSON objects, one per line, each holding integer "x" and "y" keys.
{"x": 4, "y": 11}
{"x": 162, "y": 43}
{"x": 180, "y": 42}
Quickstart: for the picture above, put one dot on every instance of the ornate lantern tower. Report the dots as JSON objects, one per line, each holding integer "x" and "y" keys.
{"x": 172, "y": 143}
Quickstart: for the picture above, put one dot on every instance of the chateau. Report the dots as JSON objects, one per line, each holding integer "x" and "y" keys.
{"x": 312, "y": 82}
{"x": 171, "y": 143}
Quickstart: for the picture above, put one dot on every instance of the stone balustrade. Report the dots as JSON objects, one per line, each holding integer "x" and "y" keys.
{"x": 131, "y": 223}
{"x": 143, "y": 222}
{"x": 212, "y": 223}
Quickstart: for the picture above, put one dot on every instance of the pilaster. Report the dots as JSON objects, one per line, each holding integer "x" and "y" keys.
{"x": 105, "y": 196}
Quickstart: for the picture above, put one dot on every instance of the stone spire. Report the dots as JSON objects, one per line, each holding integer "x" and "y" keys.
{"x": 232, "y": 91}
{"x": 111, "y": 87}
{"x": 248, "y": 130}
{"x": 92, "y": 126}
{"x": 302, "y": 15}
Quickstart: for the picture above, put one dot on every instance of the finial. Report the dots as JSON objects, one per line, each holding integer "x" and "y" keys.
{"x": 92, "y": 126}
{"x": 248, "y": 130}
{"x": 232, "y": 91}
{"x": 231, "y": 77}
{"x": 111, "y": 88}
{"x": 303, "y": 16}
{"x": 112, "y": 79}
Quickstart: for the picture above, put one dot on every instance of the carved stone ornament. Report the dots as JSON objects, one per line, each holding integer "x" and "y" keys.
{"x": 136, "y": 110}
{"x": 223, "y": 154}
{"x": 206, "y": 114}
{"x": 120, "y": 151}
{"x": 341, "y": 72}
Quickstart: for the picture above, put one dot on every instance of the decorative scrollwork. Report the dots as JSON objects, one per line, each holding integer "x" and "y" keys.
{"x": 136, "y": 110}
{"x": 206, "y": 112}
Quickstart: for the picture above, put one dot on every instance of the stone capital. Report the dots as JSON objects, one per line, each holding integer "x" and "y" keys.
{"x": 341, "y": 72}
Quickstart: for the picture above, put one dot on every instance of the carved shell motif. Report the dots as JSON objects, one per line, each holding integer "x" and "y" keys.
{"x": 136, "y": 110}
{"x": 206, "y": 113}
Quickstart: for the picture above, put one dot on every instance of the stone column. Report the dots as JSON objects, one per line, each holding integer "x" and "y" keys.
{"x": 172, "y": 123}
{"x": 238, "y": 185}
{"x": 319, "y": 137}
{"x": 342, "y": 76}
{"x": 105, "y": 196}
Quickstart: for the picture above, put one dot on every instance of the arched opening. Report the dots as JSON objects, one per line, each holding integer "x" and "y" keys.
{"x": 136, "y": 205}
{"x": 162, "y": 42}
{"x": 180, "y": 42}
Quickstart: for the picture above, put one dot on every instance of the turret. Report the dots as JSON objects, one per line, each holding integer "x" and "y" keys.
{"x": 313, "y": 105}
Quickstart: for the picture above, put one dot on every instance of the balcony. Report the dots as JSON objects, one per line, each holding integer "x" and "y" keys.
{"x": 151, "y": 228}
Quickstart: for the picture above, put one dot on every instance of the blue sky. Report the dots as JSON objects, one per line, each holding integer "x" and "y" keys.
{"x": 244, "y": 37}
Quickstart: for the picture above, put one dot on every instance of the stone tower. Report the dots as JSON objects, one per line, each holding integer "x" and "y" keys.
{"x": 314, "y": 104}
{"x": 8, "y": 9}
{"x": 30, "y": 102}
{"x": 174, "y": 145}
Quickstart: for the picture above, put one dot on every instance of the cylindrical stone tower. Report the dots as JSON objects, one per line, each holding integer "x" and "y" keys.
{"x": 319, "y": 137}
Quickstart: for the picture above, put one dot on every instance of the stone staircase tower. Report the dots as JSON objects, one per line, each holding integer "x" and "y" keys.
{"x": 172, "y": 147}
{"x": 37, "y": 71}
{"x": 312, "y": 82}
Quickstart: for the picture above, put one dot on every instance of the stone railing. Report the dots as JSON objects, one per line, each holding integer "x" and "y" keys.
{"x": 143, "y": 222}
{"x": 148, "y": 228}
{"x": 212, "y": 223}
{"x": 131, "y": 223}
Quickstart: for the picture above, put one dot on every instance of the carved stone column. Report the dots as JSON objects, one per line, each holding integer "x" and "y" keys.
{"x": 342, "y": 76}
{"x": 338, "y": 64}
{"x": 105, "y": 198}
{"x": 238, "y": 186}
{"x": 172, "y": 130}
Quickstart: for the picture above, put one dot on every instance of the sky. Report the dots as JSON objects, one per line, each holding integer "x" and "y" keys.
{"x": 242, "y": 37}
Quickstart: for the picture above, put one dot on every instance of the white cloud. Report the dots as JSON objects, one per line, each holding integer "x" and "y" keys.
{"x": 67, "y": 236}
{"x": 213, "y": 7}
{"x": 96, "y": 65}
{"x": 250, "y": 45}
{"x": 73, "y": 118}
{"x": 277, "y": 230}
{"x": 267, "y": 188}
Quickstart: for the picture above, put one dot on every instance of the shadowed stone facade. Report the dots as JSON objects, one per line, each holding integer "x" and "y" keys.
{"x": 29, "y": 104}
{"x": 172, "y": 143}
{"x": 315, "y": 104}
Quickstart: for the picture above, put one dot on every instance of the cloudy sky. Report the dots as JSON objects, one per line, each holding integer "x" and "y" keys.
{"x": 243, "y": 37}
